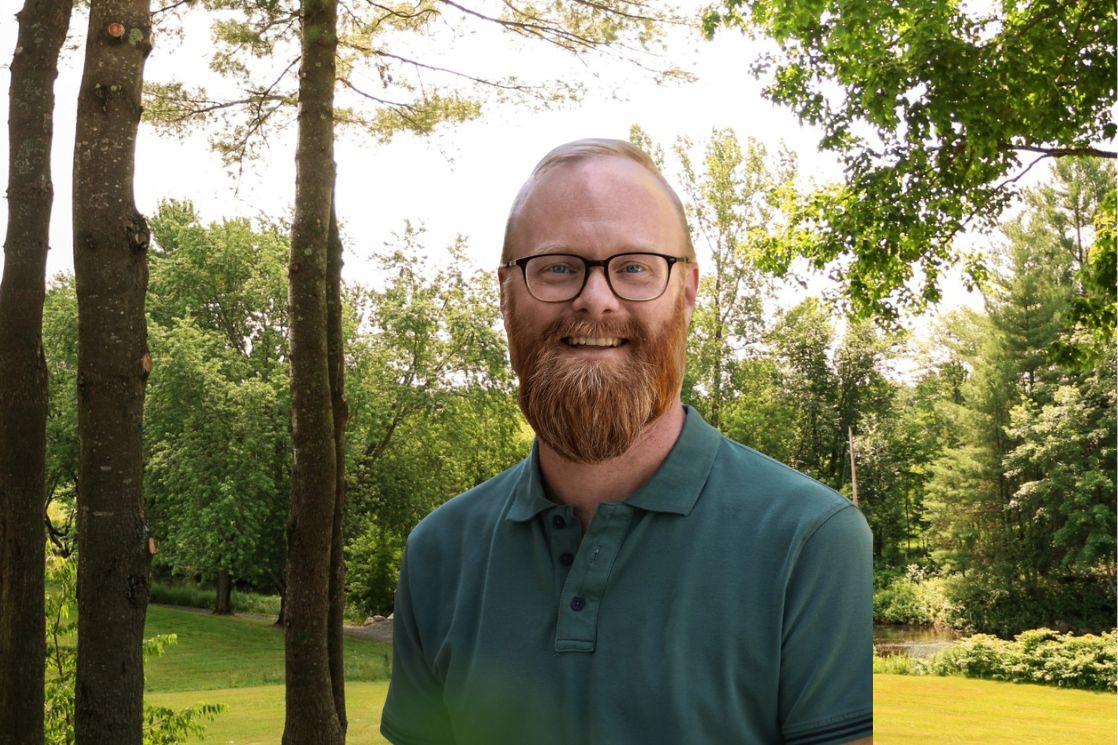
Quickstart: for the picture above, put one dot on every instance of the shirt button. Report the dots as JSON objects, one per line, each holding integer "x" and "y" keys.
{"x": 578, "y": 603}
{"x": 567, "y": 559}
{"x": 558, "y": 521}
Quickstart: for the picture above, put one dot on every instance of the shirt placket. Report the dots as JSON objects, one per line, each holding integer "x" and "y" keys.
{"x": 581, "y": 598}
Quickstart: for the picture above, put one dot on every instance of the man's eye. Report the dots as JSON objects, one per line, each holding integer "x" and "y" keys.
{"x": 633, "y": 269}
{"x": 560, "y": 269}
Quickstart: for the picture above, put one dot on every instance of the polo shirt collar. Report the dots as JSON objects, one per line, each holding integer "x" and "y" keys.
{"x": 674, "y": 488}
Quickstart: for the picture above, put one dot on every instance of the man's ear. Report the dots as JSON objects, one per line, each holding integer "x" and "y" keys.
{"x": 502, "y": 275}
{"x": 691, "y": 284}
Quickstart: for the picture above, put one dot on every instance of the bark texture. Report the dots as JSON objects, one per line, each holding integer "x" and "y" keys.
{"x": 110, "y": 267}
{"x": 335, "y": 346}
{"x": 23, "y": 370}
{"x": 311, "y": 712}
{"x": 223, "y": 605}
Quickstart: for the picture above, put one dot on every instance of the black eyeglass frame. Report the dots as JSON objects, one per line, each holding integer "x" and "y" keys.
{"x": 590, "y": 264}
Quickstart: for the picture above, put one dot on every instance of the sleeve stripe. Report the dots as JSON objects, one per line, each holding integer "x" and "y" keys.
{"x": 860, "y": 725}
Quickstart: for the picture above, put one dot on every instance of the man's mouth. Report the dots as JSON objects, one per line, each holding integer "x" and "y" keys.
{"x": 588, "y": 341}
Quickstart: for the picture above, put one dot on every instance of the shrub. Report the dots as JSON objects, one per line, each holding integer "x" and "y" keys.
{"x": 917, "y": 596}
{"x": 1039, "y": 656}
{"x": 192, "y": 596}
{"x": 372, "y": 568}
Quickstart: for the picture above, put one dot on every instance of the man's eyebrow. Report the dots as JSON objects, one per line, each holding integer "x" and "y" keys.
{"x": 563, "y": 248}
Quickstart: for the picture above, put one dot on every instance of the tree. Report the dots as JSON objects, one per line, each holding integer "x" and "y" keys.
{"x": 384, "y": 85}
{"x": 218, "y": 317}
{"x": 1022, "y": 503}
{"x": 23, "y": 369}
{"x": 315, "y": 711}
{"x": 110, "y": 267}
{"x": 800, "y": 341}
{"x": 433, "y": 406}
{"x": 937, "y": 104}
{"x": 733, "y": 206}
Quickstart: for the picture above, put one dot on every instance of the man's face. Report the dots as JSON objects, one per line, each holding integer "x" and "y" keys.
{"x": 590, "y": 402}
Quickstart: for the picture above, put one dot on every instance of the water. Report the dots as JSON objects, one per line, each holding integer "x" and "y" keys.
{"x": 914, "y": 641}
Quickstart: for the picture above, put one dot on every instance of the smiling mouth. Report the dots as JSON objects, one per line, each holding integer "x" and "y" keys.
{"x": 586, "y": 342}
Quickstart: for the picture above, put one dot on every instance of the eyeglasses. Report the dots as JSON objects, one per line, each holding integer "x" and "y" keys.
{"x": 636, "y": 276}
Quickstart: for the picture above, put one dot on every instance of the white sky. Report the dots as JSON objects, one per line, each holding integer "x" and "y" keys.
{"x": 460, "y": 181}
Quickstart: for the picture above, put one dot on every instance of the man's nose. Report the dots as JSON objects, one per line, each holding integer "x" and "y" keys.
{"x": 596, "y": 296}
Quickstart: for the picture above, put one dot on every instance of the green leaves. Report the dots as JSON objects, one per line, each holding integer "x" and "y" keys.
{"x": 930, "y": 105}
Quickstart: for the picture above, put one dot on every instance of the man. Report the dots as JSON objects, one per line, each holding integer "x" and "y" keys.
{"x": 639, "y": 579}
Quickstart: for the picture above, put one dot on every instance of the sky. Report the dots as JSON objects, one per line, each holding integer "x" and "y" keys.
{"x": 459, "y": 181}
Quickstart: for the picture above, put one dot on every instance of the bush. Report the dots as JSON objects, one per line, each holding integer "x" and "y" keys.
{"x": 193, "y": 596}
{"x": 1039, "y": 656}
{"x": 1007, "y": 606}
{"x": 372, "y": 568}
{"x": 917, "y": 596}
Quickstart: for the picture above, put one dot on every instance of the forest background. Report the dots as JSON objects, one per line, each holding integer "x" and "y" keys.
{"x": 982, "y": 410}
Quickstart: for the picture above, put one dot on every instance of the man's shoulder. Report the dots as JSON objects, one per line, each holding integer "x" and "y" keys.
{"x": 743, "y": 474}
{"x": 467, "y": 514}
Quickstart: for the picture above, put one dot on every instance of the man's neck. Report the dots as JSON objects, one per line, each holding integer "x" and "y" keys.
{"x": 584, "y": 486}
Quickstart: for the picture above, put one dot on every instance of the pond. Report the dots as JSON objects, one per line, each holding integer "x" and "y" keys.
{"x": 914, "y": 641}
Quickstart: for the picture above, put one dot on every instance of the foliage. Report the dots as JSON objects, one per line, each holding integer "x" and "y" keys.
{"x": 1021, "y": 503}
{"x": 60, "y": 347}
{"x": 218, "y": 303}
{"x": 1039, "y": 656}
{"x": 193, "y": 596}
{"x": 432, "y": 411}
{"x": 399, "y": 68}
{"x": 733, "y": 199}
{"x": 931, "y": 107}
{"x": 916, "y": 597}
{"x": 162, "y": 725}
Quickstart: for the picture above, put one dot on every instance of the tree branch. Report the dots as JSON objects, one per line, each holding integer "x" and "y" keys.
{"x": 1063, "y": 152}
{"x": 172, "y": 6}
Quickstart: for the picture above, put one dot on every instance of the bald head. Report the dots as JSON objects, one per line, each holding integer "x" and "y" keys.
{"x": 583, "y": 153}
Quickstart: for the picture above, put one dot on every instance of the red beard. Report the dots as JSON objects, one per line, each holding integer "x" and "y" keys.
{"x": 590, "y": 411}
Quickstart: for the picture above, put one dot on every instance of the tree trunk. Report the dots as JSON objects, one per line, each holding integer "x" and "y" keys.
{"x": 110, "y": 268}
{"x": 283, "y": 608}
{"x": 23, "y": 369}
{"x": 311, "y": 712}
{"x": 222, "y": 602}
{"x": 335, "y": 346}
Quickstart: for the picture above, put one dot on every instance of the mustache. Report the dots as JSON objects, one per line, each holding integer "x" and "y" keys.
{"x": 564, "y": 327}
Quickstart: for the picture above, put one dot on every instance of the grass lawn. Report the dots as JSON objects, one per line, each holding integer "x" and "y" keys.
{"x": 239, "y": 662}
{"x": 233, "y": 652}
{"x": 911, "y": 709}
{"x": 254, "y": 716}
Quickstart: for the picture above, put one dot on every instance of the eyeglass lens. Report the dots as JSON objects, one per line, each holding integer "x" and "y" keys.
{"x": 560, "y": 277}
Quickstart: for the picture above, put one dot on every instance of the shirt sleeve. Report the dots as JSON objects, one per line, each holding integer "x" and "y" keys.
{"x": 413, "y": 713}
{"x": 826, "y": 665}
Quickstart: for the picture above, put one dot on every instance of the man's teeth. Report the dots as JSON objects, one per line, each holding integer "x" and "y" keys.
{"x": 582, "y": 341}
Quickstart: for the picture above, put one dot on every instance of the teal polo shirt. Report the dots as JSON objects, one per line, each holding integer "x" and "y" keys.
{"x": 729, "y": 600}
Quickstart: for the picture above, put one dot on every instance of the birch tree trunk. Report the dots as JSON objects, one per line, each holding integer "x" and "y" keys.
{"x": 110, "y": 269}
{"x": 23, "y": 370}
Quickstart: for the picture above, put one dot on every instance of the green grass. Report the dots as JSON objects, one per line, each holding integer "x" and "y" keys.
{"x": 232, "y": 652}
{"x": 254, "y": 716}
{"x": 239, "y": 662}
{"x": 962, "y": 710}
